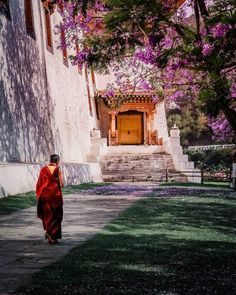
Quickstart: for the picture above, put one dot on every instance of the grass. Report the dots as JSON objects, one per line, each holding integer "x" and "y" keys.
{"x": 182, "y": 245}
{"x": 11, "y": 204}
{"x": 205, "y": 184}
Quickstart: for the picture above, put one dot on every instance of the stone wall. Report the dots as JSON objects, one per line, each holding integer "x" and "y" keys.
{"x": 160, "y": 123}
{"x": 21, "y": 178}
{"x": 44, "y": 103}
{"x": 26, "y": 116}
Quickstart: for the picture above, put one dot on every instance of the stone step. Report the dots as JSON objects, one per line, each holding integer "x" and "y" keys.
{"x": 136, "y": 167}
{"x": 122, "y": 178}
{"x": 134, "y": 172}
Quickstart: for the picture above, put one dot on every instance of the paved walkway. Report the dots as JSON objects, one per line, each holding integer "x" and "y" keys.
{"x": 23, "y": 250}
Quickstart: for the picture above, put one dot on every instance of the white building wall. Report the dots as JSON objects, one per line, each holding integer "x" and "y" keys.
{"x": 25, "y": 116}
{"x": 44, "y": 104}
{"x": 68, "y": 90}
{"x": 160, "y": 123}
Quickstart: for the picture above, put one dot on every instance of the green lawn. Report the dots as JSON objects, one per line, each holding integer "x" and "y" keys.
{"x": 13, "y": 203}
{"x": 182, "y": 245}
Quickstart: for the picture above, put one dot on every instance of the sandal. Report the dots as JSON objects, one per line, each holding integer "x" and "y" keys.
{"x": 49, "y": 239}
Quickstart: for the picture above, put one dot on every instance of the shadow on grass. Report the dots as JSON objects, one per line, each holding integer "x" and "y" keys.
{"x": 158, "y": 246}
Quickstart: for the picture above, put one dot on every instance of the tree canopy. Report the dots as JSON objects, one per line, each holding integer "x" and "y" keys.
{"x": 177, "y": 48}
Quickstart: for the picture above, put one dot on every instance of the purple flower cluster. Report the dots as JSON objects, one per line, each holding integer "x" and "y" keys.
{"x": 221, "y": 128}
{"x": 146, "y": 55}
{"x": 110, "y": 92}
{"x": 178, "y": 94}
{"x": 233, "y": 89}
{"x": 220, "y": 30}
{"x": 207, "y": 49}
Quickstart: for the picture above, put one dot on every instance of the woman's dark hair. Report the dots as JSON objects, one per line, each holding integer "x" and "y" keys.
{"x": 54, "y": 158}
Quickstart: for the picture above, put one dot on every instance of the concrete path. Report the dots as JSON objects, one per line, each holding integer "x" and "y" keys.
{"x": 24, "y": 251}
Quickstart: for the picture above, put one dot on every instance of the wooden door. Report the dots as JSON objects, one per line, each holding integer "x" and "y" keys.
{"x": 129, "y": 129}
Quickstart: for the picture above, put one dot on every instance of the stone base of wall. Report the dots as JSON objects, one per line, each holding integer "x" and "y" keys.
{"x": 20, "y": 178}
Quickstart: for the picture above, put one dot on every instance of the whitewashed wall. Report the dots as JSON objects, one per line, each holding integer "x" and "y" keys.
{"x": 43, "y": 103}
{"x": 21, "y": 178}
{"x": 160, "y": 122}
{"x": 43, "y": 106}
{"x": 25, "y": 107}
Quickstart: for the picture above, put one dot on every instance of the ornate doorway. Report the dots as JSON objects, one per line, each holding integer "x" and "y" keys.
{"x": 130, "y": 127}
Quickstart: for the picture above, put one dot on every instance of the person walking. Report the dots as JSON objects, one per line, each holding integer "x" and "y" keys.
{"x": 49, "y": 199}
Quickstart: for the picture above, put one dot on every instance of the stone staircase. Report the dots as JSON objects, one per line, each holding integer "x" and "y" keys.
{"x": 138, "y": 167}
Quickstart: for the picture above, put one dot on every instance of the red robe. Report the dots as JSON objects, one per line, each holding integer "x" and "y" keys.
{"x": 49, "y": 201}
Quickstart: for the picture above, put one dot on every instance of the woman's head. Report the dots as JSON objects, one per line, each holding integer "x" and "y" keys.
{"x": 54, "y": 158}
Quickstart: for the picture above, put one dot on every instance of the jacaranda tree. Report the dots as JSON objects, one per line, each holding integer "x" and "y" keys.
{"x": 181, "y": 49}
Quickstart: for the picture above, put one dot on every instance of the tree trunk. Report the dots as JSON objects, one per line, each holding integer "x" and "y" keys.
{"x": 197, "y": 18}
{"x": 230, "y": 115}
{"x": 202, "y": 7}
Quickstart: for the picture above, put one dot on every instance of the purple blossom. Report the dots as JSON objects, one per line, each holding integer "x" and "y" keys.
{"x": 221, "y": 128}
{"x": 168, "y": 42}
{"x": 233, "y": 89}
{"x": 110, "y": 92}
{"x": 177, "y": 95}
{"x": 146, "y": 55}
{"x": 145, "y": 85}
{"x": 220, "y": 30}
{"x": 207, "y": 49}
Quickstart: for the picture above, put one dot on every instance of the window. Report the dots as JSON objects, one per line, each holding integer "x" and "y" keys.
{"x": 64, "y": 49}
{"x": 88, "y": 91}
{"x": 63, "y": 37}
{"x": 77, "y": 52}
{"x": 5, "y": 9}
{"x": 29, "y": 22}
{"x": 48, "y": 31}
{"x": 94, "y": 88}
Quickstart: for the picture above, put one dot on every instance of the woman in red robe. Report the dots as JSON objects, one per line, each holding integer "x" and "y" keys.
{"x": 49, "y": 199}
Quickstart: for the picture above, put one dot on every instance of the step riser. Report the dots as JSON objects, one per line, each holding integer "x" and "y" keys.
{"x": 137, "y": 167}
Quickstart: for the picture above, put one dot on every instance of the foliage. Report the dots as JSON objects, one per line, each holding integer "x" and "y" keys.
{"x": 211, "y": 159}
{"x": 161, "y": 245}
{"x": 159, "y": 45}
{"x": 191, "y": 122}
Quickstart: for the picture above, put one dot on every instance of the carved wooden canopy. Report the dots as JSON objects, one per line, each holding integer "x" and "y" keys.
{"x": 122, "y": 102}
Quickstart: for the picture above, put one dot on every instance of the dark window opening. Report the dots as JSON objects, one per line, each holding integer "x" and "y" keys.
{"x": 88, "y": 91}
{"x": 5, "y": 8}
{"x": 29, "y": 21}
{"x": 64, "y": 49}
{"x": 94, "y": 88}
{"x": 48, "y": 31}
{"x": 77, "y": 52}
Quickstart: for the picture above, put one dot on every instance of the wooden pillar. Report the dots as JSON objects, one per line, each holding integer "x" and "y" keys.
{"x": 113, "y": 133}
{"x": 148, "y": 127}
{"x": 145, "y": 127}
{"x": 113, "y": 121}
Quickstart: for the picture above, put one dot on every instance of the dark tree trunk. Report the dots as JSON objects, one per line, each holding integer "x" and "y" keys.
{"x": 202, "y": 6}
{"x": 230, "y": 115}
{"x": 197, "y": 18}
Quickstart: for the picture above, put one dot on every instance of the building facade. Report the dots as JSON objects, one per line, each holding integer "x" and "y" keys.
{"x": 45, "y": 101}
{"x": 46, "y": 104}
{"x": 49, "y": 106}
